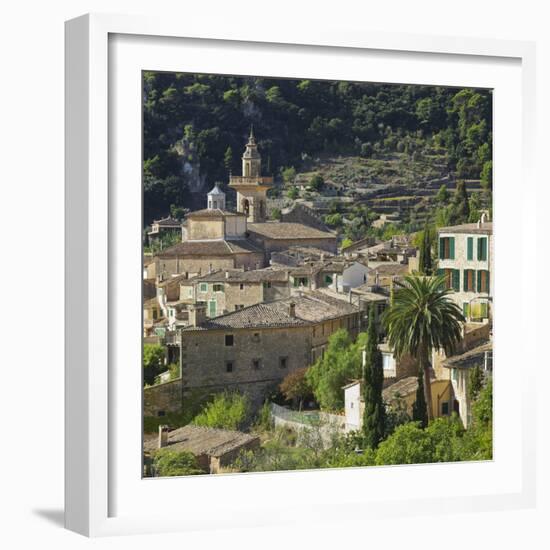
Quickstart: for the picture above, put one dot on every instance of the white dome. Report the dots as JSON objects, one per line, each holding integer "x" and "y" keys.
{"x": 216, "y": 191}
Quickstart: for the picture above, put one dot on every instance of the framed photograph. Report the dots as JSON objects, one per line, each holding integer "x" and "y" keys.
{"x": 293, "y": 268}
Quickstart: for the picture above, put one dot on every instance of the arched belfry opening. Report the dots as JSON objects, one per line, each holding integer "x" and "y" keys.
{"x": 251, "y": 187}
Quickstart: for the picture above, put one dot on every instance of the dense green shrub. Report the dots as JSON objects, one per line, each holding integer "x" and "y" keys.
{"x": 340, "y": 363}
{"x": 227, "y": 410}
{"x": 153, "y": 362}
{"x": 167, "y": 462}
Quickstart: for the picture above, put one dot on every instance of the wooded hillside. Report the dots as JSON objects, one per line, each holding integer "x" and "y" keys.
{"x": 195, "y": 127}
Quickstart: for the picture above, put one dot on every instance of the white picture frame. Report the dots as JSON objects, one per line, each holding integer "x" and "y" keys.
{"x": 100, "y": 252}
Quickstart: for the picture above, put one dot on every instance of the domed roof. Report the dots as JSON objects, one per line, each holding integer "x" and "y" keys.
{"x": 216, "y": 190}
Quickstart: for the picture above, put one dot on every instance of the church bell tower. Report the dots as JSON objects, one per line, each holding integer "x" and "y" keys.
{"x": 251, "y": 187}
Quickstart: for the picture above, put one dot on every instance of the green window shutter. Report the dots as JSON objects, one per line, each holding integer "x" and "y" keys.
{"x": 465, "y": 280}
{"x": 456, "y": 280}
{"x": 451, "y": 248}
{"x": 442, "y": 248}
{"x": 466, "y": 309}
{"x": 482, "y": 248}
{"x": 479, "y": 281}
{"x": 488, "y": 279}
{"x": 470, "y": 248}
{"x": 484, "y": 310}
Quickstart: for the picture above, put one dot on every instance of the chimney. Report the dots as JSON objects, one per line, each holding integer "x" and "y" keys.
{"x": 227, "y": 274}
{"x": 349, "y": 296}
{"x": 163, "y": 436}
{"x": 483, "y": 217}
{"x": 197, "y": 314}
{"x": 292, "y": 309}
{"x": 322, "y": 256}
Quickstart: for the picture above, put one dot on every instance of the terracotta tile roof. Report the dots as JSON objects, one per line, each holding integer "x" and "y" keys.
{"x": 401, "y": 388}
{"x": 203, "y": 441}
{"x": 388, "y": 268}
{"x": 310, "y": 308}
{"x": 168, "y": 222}
{"x": 482, "y": 228}
{"x": 288, "y": 230}
{"x": 366, "y": 293}
{"x": 243, "y": 246}
{"x": 209, "y": 248}
{"x": 471, "y": 358}
{"x": 237, "y": 275}
{"x": 213, "y": 213}
{"x": 173, "y": 280}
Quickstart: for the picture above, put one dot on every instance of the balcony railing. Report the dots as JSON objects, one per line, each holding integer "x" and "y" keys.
{"x": 250, "y": 180}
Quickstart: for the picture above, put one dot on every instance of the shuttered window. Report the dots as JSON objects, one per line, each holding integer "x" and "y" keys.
{"x": 452, "y": 278}
{"x": 456, "y": 280}
{"x": 470, "y": 248}
{"x": 469, "y": 283}
{"x": 483, "y": 281}
{"x": 482, "y": 248}
{"x": 447, "y": 248}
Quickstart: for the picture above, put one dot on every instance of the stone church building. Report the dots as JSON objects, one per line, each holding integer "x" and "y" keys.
{"x": 216, "y": 238}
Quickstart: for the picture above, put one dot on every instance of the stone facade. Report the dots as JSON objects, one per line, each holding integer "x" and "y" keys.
{"x": 230, "y": 290}
{"x": 466, "y": 258}
{"x": 163, "y": 398}
{"x": 253, "y": 349}
{"x": 172, "y": 264}
{"x": 402, "y": 392}
{"x": 256, "y": 357}
{"x": 251, "y": 187}
{"x": 272, "y": 244}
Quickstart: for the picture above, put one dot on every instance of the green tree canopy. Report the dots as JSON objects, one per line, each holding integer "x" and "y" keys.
{"x": 340, "y": 363}
{"x": 295, "y": 387}
{"x": 460, "y": 207}
{"x": 316, "y": 182}
{"x": 420, "y": 407}
{"x": 427, "y": 240}
{"x": 227, "y": 410}
{"x": 168, "y": 462}
{"x": 373, "y": 379}
{"x": 293, "y": 193}
{"x": 276, "y": 214}
{"x": 442, "y": 195}
{"x": 153, "y": 362}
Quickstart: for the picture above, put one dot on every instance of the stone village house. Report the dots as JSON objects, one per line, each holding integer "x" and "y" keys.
{"x": 466, "y": 259}
{"x": 213, "y": 448}
{"x": 251, "y": 350}
{"x": 230, "y": 290}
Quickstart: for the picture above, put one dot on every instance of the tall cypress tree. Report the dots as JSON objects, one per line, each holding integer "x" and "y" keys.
{"x": 420, "y": 410}
{"x": 460, "y": 208}
{"x": 374, "y": 416}
{"x": 425, "y": 264}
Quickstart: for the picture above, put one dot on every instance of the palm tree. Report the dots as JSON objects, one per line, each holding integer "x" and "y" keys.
{"x": 423, "y": 318}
